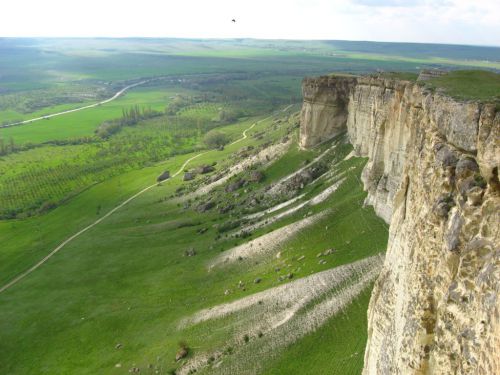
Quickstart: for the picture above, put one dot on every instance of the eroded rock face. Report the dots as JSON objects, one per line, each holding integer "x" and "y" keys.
{"x": 433, "y": 175}
{"x": 324, "y": 109}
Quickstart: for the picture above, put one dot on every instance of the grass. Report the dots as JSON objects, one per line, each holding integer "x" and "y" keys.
{"x": 337, "y": 348}
{"x": 127, "y": 281}
{"x": 469, "y": 85}
{"x": 83, "y": 123}
{"x": 125, "y": 278}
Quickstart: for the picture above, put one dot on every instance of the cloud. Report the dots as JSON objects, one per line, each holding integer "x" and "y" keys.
{"x": 402, "y": 3}
{"x": 436, "y": 21}
{"x": 389, "y": 3}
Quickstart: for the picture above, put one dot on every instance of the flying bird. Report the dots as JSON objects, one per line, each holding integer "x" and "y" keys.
{"x": 233, "y": 20}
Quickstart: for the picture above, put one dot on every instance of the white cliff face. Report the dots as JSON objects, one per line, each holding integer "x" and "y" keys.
{"x": 324, "y": 107}
{"x": 433, "y": 175}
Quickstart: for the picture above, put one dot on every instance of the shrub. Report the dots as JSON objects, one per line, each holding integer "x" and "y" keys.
{"x": 215, "y": 139}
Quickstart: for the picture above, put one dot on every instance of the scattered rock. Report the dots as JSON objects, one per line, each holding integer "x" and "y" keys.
{"x": 201, "y": 230}
{"x": 134, "y": 370}
{"x": 257, "y": 280}
{"x": 188, "y": 176}
{"x": 301, "y": 258}
{"x": 227, "y": 292}
{"x": 322, "y": 261}
{"x": 118, "y": 346}
{"x": 278, "y": 254}
{"x": 290, "y": 276}
{"x": 191, "y": 252}
{"x": 329, "y": 251}
{"x": 118, "y": 365}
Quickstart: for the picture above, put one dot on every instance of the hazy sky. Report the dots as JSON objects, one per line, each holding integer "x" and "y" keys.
{"x": 440, "y": 21}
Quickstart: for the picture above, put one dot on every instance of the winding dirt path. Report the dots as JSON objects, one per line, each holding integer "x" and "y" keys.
{"x": 76, "y": 235}
{"x": 79, "y": 108}
{"x": 47, "y": 257}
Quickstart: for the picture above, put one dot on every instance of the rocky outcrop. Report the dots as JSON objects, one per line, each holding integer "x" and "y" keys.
{"x": 432, "y": 173}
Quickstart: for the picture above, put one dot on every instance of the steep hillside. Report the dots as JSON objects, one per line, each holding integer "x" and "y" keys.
{"x": 242, "y": 259}
{"x": 432, "y": 174}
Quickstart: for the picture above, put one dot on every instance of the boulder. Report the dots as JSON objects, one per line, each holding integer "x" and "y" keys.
{"x": 203, "y": 207}
{"x": 181, "y": 353}
{"x": 256, "y": 176}
{"x": 205, "y": 169}
{"x": 235, "y": 185}
{"x": 164, "y": 176}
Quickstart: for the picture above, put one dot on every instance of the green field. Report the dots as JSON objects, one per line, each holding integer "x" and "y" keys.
{"x": 469, "y": 84}
{"x": 252, "y": 266}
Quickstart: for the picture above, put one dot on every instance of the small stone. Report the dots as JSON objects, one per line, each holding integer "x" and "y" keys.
{"x": 118, "y": 346}
{"x": 227, "y": 292}
{"x": 257, "y": 280}
{"x": 191, "y": 252}
{"x": 278, "y": 255}
{"x": 301, "y": 258}
{"x": 118, "y": 365}
{"x": 290, "y": 275}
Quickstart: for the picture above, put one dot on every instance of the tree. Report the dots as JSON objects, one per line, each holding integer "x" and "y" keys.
{"x": 215, "y": 139}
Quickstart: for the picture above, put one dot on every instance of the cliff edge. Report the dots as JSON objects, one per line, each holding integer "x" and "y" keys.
{"x": 432, "y": 174}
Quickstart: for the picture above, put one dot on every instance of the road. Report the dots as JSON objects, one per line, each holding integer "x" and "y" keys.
{"x": 77, "y": 109}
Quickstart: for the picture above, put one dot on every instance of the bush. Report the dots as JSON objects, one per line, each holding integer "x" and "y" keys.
{"x": 215, "y": 139}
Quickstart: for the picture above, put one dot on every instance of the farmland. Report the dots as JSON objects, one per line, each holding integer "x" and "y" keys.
{"x": 190, "y": 263}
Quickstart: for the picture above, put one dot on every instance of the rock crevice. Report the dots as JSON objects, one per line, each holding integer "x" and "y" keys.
{"x": 432, "y": 174}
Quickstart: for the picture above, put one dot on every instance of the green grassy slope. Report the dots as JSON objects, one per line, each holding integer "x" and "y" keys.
{"x": 128, "y": 282}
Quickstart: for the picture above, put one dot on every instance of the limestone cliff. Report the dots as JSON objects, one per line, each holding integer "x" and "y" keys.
{"x": 433, "y": 175}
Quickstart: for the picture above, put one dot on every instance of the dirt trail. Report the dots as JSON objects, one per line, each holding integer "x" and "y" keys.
{"x": 76, "y": 235}
{"x": 27, "y": 272}
{"x": 47, "y": 257}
